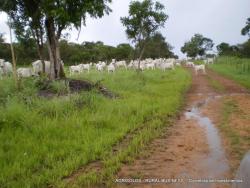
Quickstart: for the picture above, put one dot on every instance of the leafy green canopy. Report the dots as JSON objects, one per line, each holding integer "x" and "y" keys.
{"x": 240, "y": 50}
{"x": 158, "y": 47}
{"x": 246, "y": 29}
{"x": 226, "y": 49}
{"x": 198, "y": 45}
{"x": 144, "y": 19}
{"x": 65, "y": 12}
{"x": 55, "y": 16}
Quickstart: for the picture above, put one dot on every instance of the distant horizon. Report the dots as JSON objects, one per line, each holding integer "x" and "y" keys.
{"x": 220, "y": 21}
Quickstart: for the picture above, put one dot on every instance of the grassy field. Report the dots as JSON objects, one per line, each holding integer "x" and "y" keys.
{"x": 43, "y": 140}
{"x": 237, "y": 69}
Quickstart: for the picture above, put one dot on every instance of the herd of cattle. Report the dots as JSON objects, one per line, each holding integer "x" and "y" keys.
{"x": 114, "y": 65}
{"x": 161, "y": 63}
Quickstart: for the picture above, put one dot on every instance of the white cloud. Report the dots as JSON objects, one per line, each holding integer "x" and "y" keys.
{"x": 4, "y": 27}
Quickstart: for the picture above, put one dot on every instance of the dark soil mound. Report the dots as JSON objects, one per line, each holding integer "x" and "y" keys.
{"x": 76, "y": 86}
{"x": 80, "y": 85}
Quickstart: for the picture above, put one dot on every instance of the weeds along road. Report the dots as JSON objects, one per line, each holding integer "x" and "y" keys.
{"x": 193, "y": 148}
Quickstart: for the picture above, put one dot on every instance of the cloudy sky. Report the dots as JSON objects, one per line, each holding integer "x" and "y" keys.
{"x": 220, "y": 20}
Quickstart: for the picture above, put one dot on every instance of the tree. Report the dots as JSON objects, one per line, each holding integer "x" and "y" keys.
{"x": 157, "y": 47}
{"x": 240, "y": 50}
{"x": 123, "y": 52}
{"x": 144, "y": 19}
{"x": 62, "y": 14}
{"x": 224, "y": 49}
{"x": 244, "y": 49}
{"x": 246, "y": 29}
{"x": 198, "y": 45}
{"x": 27, "y": 21}
{"x": 55, "y": 16}
{"x": 13, "y": 55}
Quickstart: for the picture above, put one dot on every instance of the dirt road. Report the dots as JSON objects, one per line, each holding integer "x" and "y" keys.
{"x": 192, "y": 149}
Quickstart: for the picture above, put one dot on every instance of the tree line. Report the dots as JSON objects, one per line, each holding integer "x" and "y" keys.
{"x": 199, "y": 46}
{"x": 74, "y": 53}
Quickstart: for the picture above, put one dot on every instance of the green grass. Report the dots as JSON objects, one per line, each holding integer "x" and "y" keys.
{"x": 198, "y": 62}
{"x": 237, "y": 69}
{"x": 44, "y": 140}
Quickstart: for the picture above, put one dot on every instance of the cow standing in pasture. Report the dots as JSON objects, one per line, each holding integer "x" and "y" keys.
{"x": 24, "y": 72}
{"x": 38, "y": 67}
{"x": 75, "y": 69}
{"x": 209, "y": 61}
{"x": 198, "y": 68}
{"x": 86, "y": 67}
{"x": 120, "y": 64}
{"x": 111, "y": 67}
{"x": 165, "y": 66}
{"x": 6, "y": 67}
{"x": 190, "y": 64}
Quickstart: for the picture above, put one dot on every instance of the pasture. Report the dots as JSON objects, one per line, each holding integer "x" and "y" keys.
{"x": 235, "y": 68}
{"x": 44, "y": 140}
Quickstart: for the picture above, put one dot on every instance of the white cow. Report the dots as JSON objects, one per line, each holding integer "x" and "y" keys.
{"x": 199, "y": 67}
{"x": 2, "y": 61}
{"x": 113, "y": 61}
{"x": 111, "y": 67}
{"x": 133, "y": 64}
{"x": 38, "y": 67}
{"x": 190, "y": 64}
{"x": 150, "y": 66}
{"x": 170, "y": 60}
{"x": 103, "y": 64}
{"x": 165, "y": 66}
{"x": 100, "y": 66}
{"x": 75, "y": 69}
{"x": 209, "y": 60}
{"x": 121, "y": 64}
{"x": 86, "y": 67}
{"x": 24, "y": 72}
{"x": 143, "y": 65}
{"x": 6, "y": 67}
{"x": 158, "y": 63}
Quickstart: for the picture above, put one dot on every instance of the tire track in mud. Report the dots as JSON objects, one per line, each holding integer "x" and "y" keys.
{"x": 193, "y": 149}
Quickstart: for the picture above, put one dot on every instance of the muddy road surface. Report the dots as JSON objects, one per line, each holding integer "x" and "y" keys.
{"x": 192, "y": 151}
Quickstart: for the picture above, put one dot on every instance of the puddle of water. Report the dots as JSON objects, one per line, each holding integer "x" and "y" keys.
{"x": 243, "y": 173}
{"x": 215, "y": 163}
